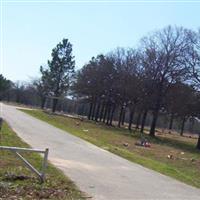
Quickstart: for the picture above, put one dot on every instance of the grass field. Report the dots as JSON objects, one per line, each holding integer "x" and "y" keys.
{"x": 184, "y": 161}
{"x": 17, "y": 182}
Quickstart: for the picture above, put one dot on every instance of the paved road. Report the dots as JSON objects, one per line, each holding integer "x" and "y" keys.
{"x": 99, "y": 173}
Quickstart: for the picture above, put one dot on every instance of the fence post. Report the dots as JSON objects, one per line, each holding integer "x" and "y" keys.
{"x": 44, "y": 164}
{"x": 1, "y": 124}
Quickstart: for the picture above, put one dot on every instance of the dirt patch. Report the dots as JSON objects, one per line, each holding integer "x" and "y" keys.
{"x": 8, "y": 191}
{"x": 3, "y": 163}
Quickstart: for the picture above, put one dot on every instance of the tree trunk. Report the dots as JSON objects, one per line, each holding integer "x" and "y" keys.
{"x": 192, "y": 126}
{"x": 108, "y": 115}
{"x": 153, "y": 124}
{"x": 101, "y": 112}
{"x": 158, "y": 102}
{"x": 55, "y": 102}
{"x": 120, "y": 116}
{"x": 138, "y": 120}
{"x": 105, "y": 113}
{"x": 97, "y": 112}
{"x": 93, "y": 110}
{"x": 171, "y": 121}
{"x": 123, "y": 116}
{"x": 198, "y": 143}
{"x": 143, "y": 121}
{"x": 43, "y": 101}
{"x": 8, "y": 97}
{"x": 112, "y": 114}
{"x": 90, "y": 111}
{"x": 182, "y": 126}
{"x": 18, "y": 97}
{"x": 131, "y": 118}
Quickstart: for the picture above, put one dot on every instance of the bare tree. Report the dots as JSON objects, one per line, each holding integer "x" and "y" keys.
{"x": 193, "y": 61}
{"x": 164, "y": 53}
{"x": 43, "y": 85}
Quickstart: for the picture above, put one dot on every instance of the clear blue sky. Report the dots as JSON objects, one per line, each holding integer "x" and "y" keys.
{"x": 31, "y": 30}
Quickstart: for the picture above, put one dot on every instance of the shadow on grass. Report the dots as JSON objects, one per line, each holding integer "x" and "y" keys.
{"x": 180, "y": 145}
{"x": 176, "y": 144}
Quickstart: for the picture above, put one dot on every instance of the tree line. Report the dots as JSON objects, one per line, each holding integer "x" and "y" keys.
{"x": 161, "y": 75}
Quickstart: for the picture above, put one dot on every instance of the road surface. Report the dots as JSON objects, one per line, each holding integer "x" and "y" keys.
{"x": 99, "y": 173}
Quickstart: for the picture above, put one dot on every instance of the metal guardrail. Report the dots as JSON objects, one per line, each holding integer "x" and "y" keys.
{"x": 16, "y": 151}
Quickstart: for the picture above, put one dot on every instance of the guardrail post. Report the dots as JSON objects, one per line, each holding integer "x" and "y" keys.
{"x": 1, "y": 124}
{"x": 16, "y": 151}
{"x": 44, "y": 165}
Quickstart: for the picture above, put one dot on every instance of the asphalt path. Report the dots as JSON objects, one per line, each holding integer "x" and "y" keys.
{"x": 99, "y": 173}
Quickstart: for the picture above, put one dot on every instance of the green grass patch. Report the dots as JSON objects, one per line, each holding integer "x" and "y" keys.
{"x": 17, "y": 182}
{"x": 185, "y": 162}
